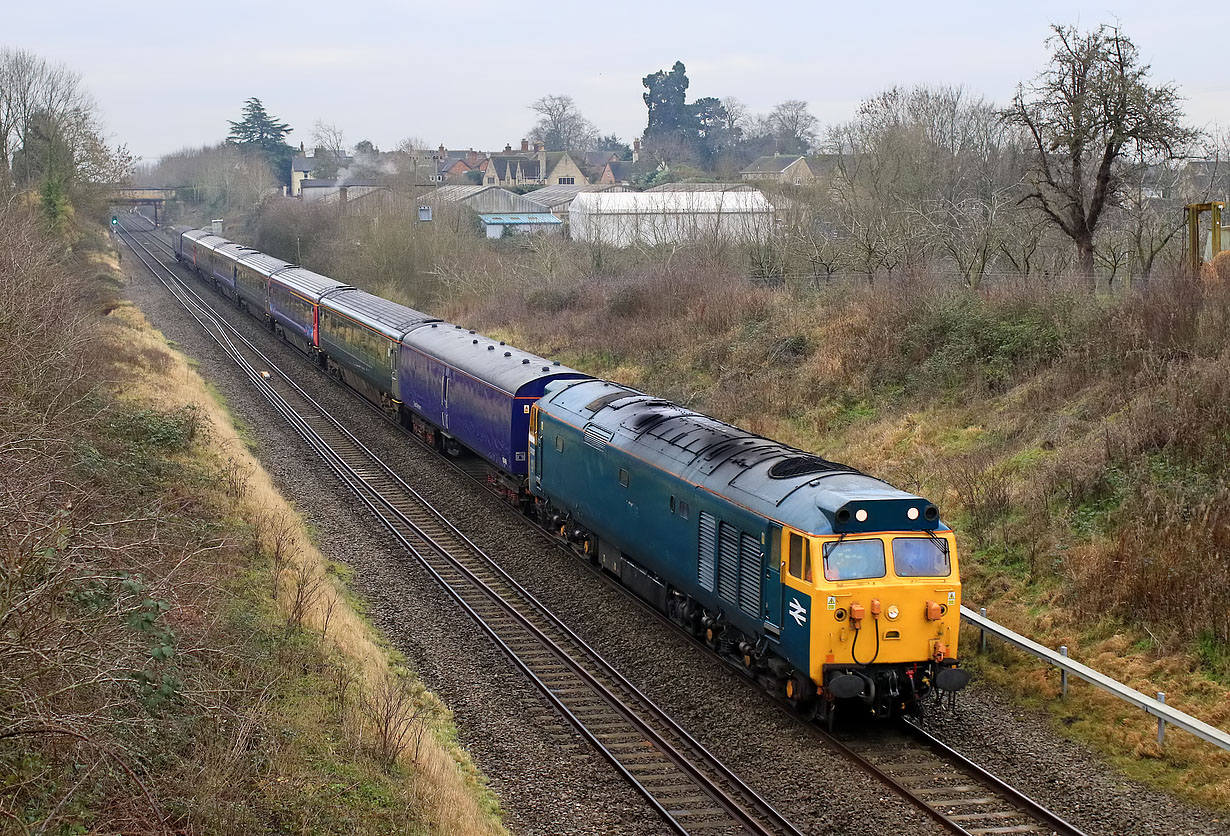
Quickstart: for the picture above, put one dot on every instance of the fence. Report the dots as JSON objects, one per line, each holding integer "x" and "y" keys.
{"x": 1165, "y": 714}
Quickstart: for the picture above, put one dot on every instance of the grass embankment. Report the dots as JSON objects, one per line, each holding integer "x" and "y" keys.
{"x": 1079, "y": 445}
{"x": 176, "y": 655}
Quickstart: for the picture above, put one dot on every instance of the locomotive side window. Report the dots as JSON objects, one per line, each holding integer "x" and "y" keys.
{"x": 559, "y": 443}
{"x": 623, "y": 477}
{"x": 918, "y": 557}
{"x": 854, "y": 560}
{"x": 800, "y": 558}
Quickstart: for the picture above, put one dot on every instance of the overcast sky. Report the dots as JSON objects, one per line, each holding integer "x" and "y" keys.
{"x": 170, "y": 75}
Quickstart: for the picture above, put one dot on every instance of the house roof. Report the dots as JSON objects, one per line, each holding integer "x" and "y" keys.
{"x": 334, "y": 184}
{"x": 557, "y": 195}
{"x": 822, "y": 163}
{"x": 703, "y": 187}
{"x": 621, "y": 169}
{"x": 493, "y": 199}
{"x": 774, "y": 164}
{"x": 520, "y": 218}
{"x": 302, "y": 163}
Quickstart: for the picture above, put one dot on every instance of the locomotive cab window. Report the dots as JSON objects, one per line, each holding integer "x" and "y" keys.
{"x": 921, "y": 557}
{"x": 849, "y": 560}
{"x": 800, "y": 558}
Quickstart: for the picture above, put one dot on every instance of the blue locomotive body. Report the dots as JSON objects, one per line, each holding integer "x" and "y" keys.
{"x": 712, "y": 524}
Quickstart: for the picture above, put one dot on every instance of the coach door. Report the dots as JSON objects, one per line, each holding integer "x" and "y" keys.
{"x": 534, "y": 439}
{"x": 444, "y": 399}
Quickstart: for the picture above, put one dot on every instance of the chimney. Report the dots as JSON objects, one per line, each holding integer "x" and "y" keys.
{"x": 441, "y": 149}
{"x": 540, "y": 148}
{"x": 525, "y": 146}
{"x": 636, "y": 150}
{"x": 471, "y": 158}
{"x": 507, "y": 149}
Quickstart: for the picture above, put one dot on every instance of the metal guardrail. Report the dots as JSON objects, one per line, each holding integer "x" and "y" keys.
{"x": 1165, "y": 714}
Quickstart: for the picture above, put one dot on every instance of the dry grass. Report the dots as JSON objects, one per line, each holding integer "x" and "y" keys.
{"x": 1078, "y": 444}
{"x": 440, "y": 776}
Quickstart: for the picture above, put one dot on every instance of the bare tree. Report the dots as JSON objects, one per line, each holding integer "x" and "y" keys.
{"x": 49, "y": 128}
{"x": 328, "y": 148}
{"x": 561, "y": 126}
{"x": 1089, "y": 115}
{"x": 793, "y": 126}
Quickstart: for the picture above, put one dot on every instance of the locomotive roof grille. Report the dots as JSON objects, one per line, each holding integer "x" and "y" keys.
{"x": 609, "y": 398}
{"x": 793, "y": 466}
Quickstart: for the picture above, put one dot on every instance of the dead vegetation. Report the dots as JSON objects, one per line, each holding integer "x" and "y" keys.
{"x": 175, "y": 655}
{"x": 1077, "y": 442}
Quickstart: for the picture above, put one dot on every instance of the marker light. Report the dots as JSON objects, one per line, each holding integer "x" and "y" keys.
{"x": 912, "y": 513}
{"x": 861, "y": 515}
{"x": 892, "y": 612}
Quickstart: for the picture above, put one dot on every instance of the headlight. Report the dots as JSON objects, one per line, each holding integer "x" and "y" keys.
{"x": 893, "y": 612}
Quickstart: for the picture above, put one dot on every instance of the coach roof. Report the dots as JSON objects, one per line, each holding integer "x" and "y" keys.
{"x": 491, "y": 361}
{"x": 390, "y": 318}
{"x": 308, "y": 283}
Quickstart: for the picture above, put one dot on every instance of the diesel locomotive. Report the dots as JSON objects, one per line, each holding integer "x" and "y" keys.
{"x": 826, "y": 584}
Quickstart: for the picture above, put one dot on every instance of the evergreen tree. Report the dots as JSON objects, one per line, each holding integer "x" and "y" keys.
{"x": 258, "y": 128}
{"x": 258, "y": 131}
{"x": 669, "y": 117}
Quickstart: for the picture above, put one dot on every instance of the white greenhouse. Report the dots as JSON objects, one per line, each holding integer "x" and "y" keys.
{"x": 652, "y": 218}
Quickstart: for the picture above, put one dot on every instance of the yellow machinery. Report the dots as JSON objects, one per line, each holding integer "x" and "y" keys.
{"x": 1192, "y": 213}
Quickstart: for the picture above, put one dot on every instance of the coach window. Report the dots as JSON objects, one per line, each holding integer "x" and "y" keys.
{"x": 623, "y": 477}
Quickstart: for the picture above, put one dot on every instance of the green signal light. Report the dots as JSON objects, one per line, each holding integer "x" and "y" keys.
{"x": 114, "y": 220}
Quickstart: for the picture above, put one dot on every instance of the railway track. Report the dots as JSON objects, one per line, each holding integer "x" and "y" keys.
{"x": 691, "y": 789}
{"x": 946, "y": 786}
{"x": 950, "y": 788}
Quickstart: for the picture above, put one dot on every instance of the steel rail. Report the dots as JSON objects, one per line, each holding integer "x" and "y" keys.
{"x": 401, "y": 524}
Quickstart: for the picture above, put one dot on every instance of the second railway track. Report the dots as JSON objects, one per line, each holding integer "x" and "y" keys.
{"x": 952, "y": 790}
{"x": 694, "y": 791}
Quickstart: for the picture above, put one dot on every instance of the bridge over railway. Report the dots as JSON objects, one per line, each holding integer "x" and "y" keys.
{"x": 142, "y": 197}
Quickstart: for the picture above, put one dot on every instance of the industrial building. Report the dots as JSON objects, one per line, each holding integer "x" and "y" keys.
{"x": 622, "y": 219}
